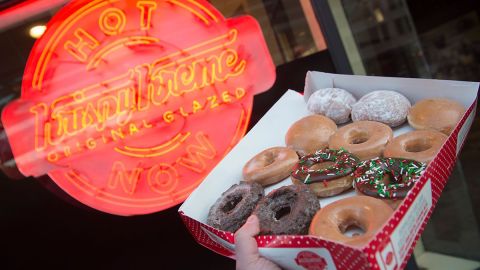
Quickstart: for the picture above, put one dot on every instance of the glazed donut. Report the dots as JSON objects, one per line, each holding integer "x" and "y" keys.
{"x": 419, "y": 145}
{"x": 287, "y": 210}
{"x": 334, "y": 103}
{"x": 367, "y": 213}
{"x": 270, "y": 166}
{"x": 440, "y": 114}
{"x": 232, "y": 209}
{"x": 310, "y": 134}
{"x": 328, "y": 181}
{"x": 387, "y": 178}
{"x": 364, "y": 139}
{"x": 388, "y": 107}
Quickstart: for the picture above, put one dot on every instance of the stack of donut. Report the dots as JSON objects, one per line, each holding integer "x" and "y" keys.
{"x": 323, "y": 160}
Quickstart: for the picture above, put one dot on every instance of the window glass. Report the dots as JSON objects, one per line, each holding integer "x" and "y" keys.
{"x": 284, "y": 24}
{"x": 289, "y": 26}
{"x": 433, "y": 39}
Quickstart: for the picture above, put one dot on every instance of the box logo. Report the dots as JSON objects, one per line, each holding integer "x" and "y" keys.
{"x": 128, "y": 104}
{"x": 387, "y": 259}
{"x": 311, "y": 261}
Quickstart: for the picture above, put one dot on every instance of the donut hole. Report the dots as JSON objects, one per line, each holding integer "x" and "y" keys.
{"x": 283, "y": 201}
{"x": 417, "y": 145}
{"x": 269, "y": 158}
{"x": 387, "y": 179}
{"x": 352, "y": 228}
{"x": 282, "y": 212}
{"x": 232, "y": 203}
{"x": 357, "y": 136}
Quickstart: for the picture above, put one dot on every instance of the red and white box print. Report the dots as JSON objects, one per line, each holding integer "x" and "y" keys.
{"x": 391, "y": 247}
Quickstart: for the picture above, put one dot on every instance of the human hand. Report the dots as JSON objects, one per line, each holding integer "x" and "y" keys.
{"x": 246, "y": 248}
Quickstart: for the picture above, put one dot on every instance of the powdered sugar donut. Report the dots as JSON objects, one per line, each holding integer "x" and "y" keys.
{"x": 334, "y": 103}
{"x": 388, "y": 107}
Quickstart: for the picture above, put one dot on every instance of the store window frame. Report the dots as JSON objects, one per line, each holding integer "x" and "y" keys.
{"x": 332, "y": 36}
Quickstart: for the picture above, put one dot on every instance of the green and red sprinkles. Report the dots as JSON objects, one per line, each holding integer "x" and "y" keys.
{"x": 403, "y": 173}
{"x": 345, "y": 164}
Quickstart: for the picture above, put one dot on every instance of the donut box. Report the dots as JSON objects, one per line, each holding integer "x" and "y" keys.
{"x": 393, "y": 244}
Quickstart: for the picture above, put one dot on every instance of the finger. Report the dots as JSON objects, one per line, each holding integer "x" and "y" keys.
{"x": 246, "y": 248}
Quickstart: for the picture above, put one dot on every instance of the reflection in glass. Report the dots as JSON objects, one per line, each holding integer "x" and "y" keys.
{"x": 385, "y": 37}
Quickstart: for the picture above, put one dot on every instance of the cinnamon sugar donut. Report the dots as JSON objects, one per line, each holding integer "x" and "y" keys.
{"x": 330, "y": 180}
{"x": 367, "y": 213}
{"x": 310, "y": 134}
{"x": 270, "y": 166}
{"x": 388, "y": 107}
{"x": 419, "y": 145}
{"x": 364, "y": 139}
{"x": 334, "y": 103}
{"x": 440, "y": 114}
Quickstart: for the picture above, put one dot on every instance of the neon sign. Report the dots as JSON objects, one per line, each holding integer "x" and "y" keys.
{"x": 127, "y": 105}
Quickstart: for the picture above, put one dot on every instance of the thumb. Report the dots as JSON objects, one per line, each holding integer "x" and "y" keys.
{"x": 246, "y": 248}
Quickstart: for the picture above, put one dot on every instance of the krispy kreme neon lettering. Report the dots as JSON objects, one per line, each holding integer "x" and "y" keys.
{"x": 122, "y": 100}
{"x": 78, "y": 111}
{"x": 69, "y": 148}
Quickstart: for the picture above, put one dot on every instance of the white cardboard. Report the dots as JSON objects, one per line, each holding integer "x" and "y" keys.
{"x": 413, "y": 89}
{"x": 462, "y": 133}
{"x": 271, "y": 129}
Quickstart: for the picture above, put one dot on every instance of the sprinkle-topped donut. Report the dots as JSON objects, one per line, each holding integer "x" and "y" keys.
{"x": 324, "y": 178}
{"x": 388, "y": 178}
{"x": 345, "y": 164}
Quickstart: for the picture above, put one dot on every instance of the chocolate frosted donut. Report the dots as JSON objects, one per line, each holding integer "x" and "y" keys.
{"x": 232, "y": 209}
{"x": 287, "y": 210}
{"x": 389, "y": 179}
